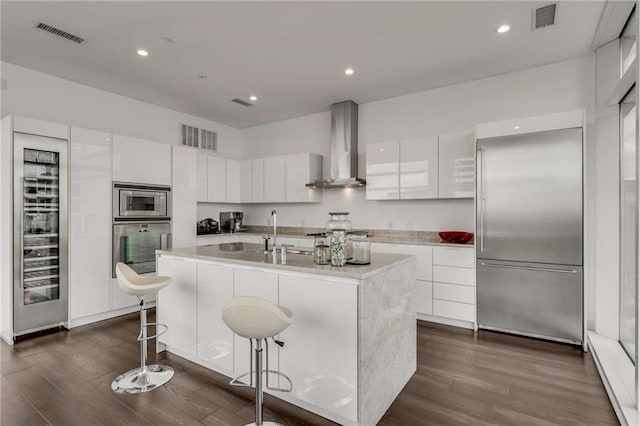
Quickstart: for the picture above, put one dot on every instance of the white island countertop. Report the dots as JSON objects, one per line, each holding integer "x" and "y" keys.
{"x": 253, "y": 254}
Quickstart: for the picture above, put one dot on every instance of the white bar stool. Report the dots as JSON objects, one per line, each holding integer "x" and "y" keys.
{"x": 146, "y": 377}
{"x": 257, "y": 319}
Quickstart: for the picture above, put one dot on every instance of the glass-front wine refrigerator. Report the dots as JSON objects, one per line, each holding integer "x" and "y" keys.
{"x": 40, "y": 233}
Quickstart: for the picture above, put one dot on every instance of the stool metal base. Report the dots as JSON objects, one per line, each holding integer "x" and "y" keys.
{"x": 265, "y": 424}
{"x": 134, "y": 381}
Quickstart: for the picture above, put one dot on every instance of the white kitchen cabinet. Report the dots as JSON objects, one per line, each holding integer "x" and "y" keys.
{"x": 90, "y": 223}
{"x": 181, "y": 312}
{"x": 456, "y": 165}
{"x": 419, "y": 168}
{"x": 141, "y": 161}
{"x": 215, "y": 339}
{"x": 423, "y": 256}
{"x": 233, "y": 181}
{"x": 209, "y": 239}
{"x": 216, "y": 179}
{"x": 302, "y": 169}
{"x": 462, "y": 257}
{"x": 184, "y": 196}
{"x": 248, "y": 282}
{"x": 454, "y": 293}
{"x": 324, "y": 333}
{"x": 454, "y": 310}
{"x": 257, "y": 180}
{"x": 423, "y": 297}
{"x": 275, "y": 179}
{"x": 383, "y": 171}
{"x": 246, "y": 179}
{"x": 202, "y": 173}
{"x": 454, "y": 275}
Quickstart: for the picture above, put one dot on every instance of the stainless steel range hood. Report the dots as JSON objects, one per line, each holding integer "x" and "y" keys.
{"x": 344, "y": 148}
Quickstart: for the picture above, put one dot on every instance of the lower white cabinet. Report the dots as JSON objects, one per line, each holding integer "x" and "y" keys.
{"x": 324, "y": 331}
{"x": 424, "y": 297}
{"x": 454, "y": 310}
{"x": 181, "y": 313}
{"x": 215, "y": 339}
{"x": 454, "y": 293}
{"x": 247, "y": 282}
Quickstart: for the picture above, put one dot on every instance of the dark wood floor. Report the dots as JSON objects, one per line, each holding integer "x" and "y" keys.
{"x": 462, "y": 378}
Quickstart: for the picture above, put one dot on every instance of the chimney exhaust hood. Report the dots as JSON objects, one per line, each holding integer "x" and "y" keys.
{"x": 344, "y": 148}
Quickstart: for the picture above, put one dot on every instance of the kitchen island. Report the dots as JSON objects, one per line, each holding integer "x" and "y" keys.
{"x": 351, "y": 347}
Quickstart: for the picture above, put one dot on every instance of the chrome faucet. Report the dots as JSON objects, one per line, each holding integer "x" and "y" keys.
{"x": 275, "y": 234}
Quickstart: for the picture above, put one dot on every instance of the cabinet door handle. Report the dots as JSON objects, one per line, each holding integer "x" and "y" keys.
{"x": 529, "y": 268}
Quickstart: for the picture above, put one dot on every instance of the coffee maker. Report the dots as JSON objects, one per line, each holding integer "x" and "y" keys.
{"x": 231, "y": 222}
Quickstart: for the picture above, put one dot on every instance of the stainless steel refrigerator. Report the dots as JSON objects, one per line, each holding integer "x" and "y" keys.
{"x": 40, "y": 233}
{"x": 530, "y": 234}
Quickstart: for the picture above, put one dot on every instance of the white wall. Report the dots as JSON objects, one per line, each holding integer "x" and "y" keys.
{"x": 606, "y": 210}
{"x": 552, "y": 88}
{"x": 43, "y": 96}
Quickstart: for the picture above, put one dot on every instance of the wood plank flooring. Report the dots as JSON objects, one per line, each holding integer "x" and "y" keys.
{"x": 463, "y": 377}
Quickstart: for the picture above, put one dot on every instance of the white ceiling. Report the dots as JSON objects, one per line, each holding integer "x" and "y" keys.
{"x": 292, "y": 55}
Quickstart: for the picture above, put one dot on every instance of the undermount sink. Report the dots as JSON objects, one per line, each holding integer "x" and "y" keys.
{"x": 304, "y": 252}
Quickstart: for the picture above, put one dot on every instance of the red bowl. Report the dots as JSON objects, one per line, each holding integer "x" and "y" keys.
{"x": 456, "y": 237}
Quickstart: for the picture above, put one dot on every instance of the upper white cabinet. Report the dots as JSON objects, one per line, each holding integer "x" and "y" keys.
{"x": 275, "y": 179}
{"x": 216, "y": 179}
{"x": 90, "y": 222}
{"x": 141, "y": 161}
{"x": 419, "y": 168}
{"x": 457, "y": 165}
{"x": 257, "y": 180}
{"x": 184, "y": 196}
{"x": 383, "y": 171}
{"x": 233, "y": 181}
{"x": 202, "y": 185}
{"x": 245, "y": 181}
{"x": 300, "y": 170}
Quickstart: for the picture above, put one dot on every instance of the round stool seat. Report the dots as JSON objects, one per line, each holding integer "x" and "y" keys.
{"x": 255, "y": 318}
{"x": 138, "y": 285}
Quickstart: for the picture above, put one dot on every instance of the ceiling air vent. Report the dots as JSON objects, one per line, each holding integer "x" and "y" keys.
{"x": 544, "y": 16}
{"x": 59, "y": 33}
{"x": 241, "y": 102}
{"x": 199, "y": 138}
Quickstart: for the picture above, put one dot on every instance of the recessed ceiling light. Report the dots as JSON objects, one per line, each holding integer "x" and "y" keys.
{"x": 503, "y": 28}
{"x": 143, "y": 52}
{"x": 253, "y": 98}
{"x": 349, "y": 71}
{"x": 516, "y": 128}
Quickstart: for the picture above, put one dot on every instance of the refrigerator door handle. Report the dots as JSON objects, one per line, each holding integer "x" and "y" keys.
{"x": 529, "y": 268}
{"x": 22, "y": 236}
{"x": 481, "y": 197}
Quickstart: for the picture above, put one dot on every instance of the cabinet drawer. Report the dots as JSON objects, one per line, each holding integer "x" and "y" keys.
{"x": 454, "y": 293}
{"x": 423, "y": 297}
{"x": 454, "y": 310}
{"x": 452, "y": 275}
{"x": 450, "y": 256}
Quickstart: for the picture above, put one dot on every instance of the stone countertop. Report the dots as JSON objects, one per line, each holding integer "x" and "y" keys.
{"x": 411, "y": 239}
{"x": 252, "y": 255}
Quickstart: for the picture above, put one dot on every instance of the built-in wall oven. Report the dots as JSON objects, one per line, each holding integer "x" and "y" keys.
{"x": 141, "y": 225}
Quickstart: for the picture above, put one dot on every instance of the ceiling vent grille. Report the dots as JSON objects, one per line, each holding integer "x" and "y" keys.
{"x": 241, "y": 102}
{"x": 544, "y": 16}
{"x": 209, "y": 140}
{"x": 199, "y": 138}
{"x": 59, "y": 33}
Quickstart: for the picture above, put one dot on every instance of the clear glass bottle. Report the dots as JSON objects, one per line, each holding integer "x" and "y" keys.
{"x": 360, "y": 248}
{"x": 321, "y": 250}
{"x": 338, "y": 226}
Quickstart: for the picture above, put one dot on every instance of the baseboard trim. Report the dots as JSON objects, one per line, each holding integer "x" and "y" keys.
{"x": 447, "y": 321}
{"x": 78, "y": 322}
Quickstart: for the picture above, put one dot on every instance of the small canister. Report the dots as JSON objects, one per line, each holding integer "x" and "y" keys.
{"x": 321, "y": 249}
{"x": 360, "y": 248}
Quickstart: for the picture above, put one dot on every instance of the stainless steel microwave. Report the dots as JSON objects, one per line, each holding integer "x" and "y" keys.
{"x": 139, "y": 202}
